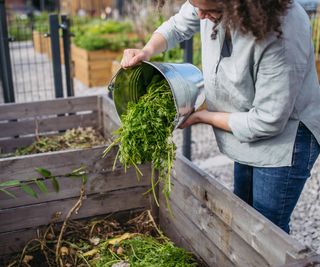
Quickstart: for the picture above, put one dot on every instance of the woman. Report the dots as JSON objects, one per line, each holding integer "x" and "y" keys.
{"x": 262, "y": 93}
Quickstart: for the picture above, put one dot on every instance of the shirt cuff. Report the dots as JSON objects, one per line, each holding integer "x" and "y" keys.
{"x": 238, "y": 122}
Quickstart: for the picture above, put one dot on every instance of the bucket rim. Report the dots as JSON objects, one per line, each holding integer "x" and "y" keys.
{"x": 154, "y": 65}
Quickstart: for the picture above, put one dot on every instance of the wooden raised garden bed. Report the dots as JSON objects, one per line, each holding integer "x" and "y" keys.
{"x": 93, "y": 68}
{"x": 42, "y": 45}
{"x": 208, "y": 219}
{"x": 39, "y": 42}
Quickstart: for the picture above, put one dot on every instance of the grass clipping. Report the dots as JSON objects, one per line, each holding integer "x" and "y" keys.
{"x": 71, "y": 139}
{"x": 104, "y": 242}
{"x": 146, "y": 134}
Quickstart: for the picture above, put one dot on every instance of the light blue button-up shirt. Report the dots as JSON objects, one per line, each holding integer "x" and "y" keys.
{"x": 268, "y": 86}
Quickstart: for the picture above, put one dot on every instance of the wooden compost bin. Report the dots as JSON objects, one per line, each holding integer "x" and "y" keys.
{"x": 106, "y": 191}
{"x": 208, "y": 219}
{"x": 42, "y": 45}
{"x": 93, "y": 68}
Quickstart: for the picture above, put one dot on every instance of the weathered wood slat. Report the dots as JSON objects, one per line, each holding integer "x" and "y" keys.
{"x": 312, "y": 261}
{"x": 59, "y": 163}
{"x": 48, "y": 107}
{"x": 185, "y": 233}
{"x": 69, "y": 187}
{"x": 267, "y": 239}
{"x": 93, "y": 205}
{"x": 14, "y": 241}
{"x": 10, "y": 145}
{"x": 226, "y": 240}
{"x": 49, "y": 124}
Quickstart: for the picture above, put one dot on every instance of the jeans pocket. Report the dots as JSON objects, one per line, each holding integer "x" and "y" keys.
{"x": 302, "y": 154}
{"x": 314, "y": 152}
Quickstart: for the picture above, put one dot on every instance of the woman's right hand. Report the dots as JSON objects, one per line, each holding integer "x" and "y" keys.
{"x": 132, "y": 57}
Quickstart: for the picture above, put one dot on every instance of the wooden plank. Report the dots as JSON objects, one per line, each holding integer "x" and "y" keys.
{"x": 100, "y": 82}
{"x": 226, "y": 240}
{"x": 14, "y": 241}
{"x": 267, "y": 239}
{"x": 312, "y": 261}
{"x": 184, "y": 233}
{"x": 93, "y": 205}
{"x": 43, "y": 125}
{"x": 48, "y": 107}
{"x": 10, "y": 145}
{"x": 59, "y": 163}
{"x": 104, "y": 54}
{"x": 77, "y": 52}
{"x": 69, "y": 187}
{"x": 100, "y": 74}
{"x": 38, "y": 42}
{"x": 101, "y": 64}
{"x": 81, "y": 74}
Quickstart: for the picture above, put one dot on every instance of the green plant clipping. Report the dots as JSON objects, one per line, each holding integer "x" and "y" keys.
{"x": 28, "y": 185}
{"x": 146, "y": 133}
{"x": 71, "y": 139}
{"x": 145, "y": 251}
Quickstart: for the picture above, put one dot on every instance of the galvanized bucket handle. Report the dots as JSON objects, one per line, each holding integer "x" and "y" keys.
{"x": 110, "y": 86}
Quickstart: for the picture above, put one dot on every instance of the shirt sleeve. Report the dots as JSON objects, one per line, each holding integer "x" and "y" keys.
{"x": 181, "y": 26}
{"x": 277, "y": 86}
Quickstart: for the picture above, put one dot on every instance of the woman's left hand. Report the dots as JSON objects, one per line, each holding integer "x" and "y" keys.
{"x": 194, "y": 118}
{"x": 216, "y": 119}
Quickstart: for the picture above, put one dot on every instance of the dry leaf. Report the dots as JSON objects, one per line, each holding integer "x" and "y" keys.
{"x": 118, "y": 239}
{"x": 64, "y": 251}
{"x": 91, "y": 252}
{"x": 27, "y": 259}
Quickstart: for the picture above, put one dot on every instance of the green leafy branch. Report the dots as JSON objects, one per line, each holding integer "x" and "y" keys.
{"x": 5, "y": 187}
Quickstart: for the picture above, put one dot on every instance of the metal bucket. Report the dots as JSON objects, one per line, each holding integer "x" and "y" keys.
{"x": 185, "y": 81}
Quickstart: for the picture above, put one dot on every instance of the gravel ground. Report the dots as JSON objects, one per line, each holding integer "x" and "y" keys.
{"x": 305, "y": 220}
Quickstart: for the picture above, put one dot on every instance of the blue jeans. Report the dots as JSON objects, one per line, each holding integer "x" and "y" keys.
{"x": 274, "y": 191}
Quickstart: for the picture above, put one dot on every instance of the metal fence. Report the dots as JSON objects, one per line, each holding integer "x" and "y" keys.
{"x": 30, "y": 70}
{"x": 30, "y": 60}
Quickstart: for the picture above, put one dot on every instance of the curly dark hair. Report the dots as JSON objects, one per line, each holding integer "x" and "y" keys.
{"x": 259, "y": 17}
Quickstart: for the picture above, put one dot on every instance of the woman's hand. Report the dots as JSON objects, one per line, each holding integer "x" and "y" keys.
{"x": 194, "y": 118}
{"x": 132, "y": 57}
{"x": 216, "y": 119}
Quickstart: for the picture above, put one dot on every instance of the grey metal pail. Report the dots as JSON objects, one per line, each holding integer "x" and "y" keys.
{"x": 185, "y": 81}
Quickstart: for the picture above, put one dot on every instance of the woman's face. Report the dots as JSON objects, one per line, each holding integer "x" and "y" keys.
{"x": 207, "y": 9}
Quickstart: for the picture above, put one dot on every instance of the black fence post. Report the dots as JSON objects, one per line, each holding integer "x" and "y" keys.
{"x": 55, "y": 49}
{"x": 119, "y": 5}
{"x": 188, "y": 57}
{"x": 5, "y": 62}
{"x": 65, "y": 25}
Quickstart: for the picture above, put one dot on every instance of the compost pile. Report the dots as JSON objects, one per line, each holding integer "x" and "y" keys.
{"x": 71, "y": 139}
{"x": 146, "y": 134}
{"x": 105, "y": 242}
